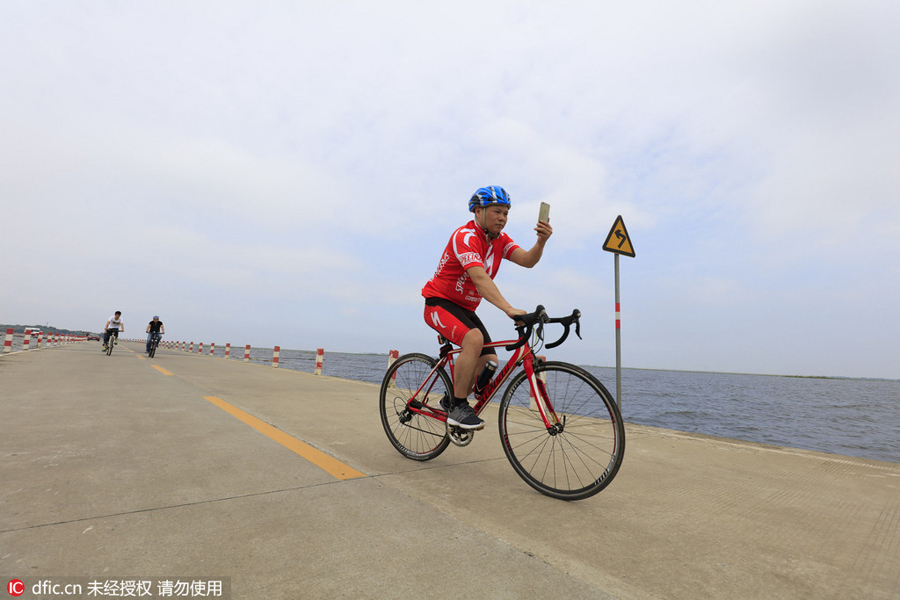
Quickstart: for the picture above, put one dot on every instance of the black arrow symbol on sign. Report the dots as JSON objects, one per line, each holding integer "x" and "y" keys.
{"x": 621, "y": 237}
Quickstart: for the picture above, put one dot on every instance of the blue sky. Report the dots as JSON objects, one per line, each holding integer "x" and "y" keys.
{"x": 289, "y": 172}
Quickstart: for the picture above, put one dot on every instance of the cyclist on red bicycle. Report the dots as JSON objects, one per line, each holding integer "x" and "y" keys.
{"x": 464, "y": 276}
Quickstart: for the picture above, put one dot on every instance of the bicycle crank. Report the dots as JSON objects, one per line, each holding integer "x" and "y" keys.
{"x": 459, "y": 436}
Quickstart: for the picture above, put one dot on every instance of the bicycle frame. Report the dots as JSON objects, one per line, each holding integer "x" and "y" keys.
{"x": 522, "y": 355}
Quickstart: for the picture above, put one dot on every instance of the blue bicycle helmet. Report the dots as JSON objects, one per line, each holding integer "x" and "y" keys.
{"x": 492, "y": 194}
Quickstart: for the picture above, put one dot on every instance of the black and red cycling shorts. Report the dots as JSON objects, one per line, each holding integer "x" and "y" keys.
{"x": 453, "y": 321}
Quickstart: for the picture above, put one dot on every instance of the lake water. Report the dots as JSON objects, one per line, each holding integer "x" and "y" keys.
{"x": 853, "y": 417}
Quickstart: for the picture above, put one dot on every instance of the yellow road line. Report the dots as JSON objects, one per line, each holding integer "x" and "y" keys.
{"x": 161, "y": 370}
{"x": 317, "y": 457}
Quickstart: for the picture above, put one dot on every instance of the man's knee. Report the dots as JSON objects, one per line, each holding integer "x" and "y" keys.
{"x": 474, "y": 339}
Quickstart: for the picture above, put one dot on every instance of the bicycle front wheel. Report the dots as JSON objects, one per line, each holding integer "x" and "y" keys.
{"x": 410, "y": 381}
{"x": 152, "y": 349}
{"x": 580, "y": 455}
{"x": 109, "y": 345}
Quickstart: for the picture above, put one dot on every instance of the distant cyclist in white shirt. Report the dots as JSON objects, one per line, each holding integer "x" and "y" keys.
{"x": 114, "y": 325}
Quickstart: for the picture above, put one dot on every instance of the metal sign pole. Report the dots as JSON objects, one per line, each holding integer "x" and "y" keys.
{"x": 618, "y": 340}
{"x": 618, "y": 243}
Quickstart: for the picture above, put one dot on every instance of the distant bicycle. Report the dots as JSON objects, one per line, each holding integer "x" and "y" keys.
{"x": 112, "y": 341}
{"x": 154, "y": 342}
{"x": 560, "y": 428}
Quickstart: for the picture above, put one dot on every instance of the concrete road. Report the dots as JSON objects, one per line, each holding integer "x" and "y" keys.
{"x": 281, "y": 484}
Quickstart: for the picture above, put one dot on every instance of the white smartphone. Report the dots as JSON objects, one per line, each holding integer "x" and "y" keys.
{"x": 545, "y": 213}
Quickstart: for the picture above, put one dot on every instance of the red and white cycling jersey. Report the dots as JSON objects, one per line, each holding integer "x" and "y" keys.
{"x": 468, "y": 247}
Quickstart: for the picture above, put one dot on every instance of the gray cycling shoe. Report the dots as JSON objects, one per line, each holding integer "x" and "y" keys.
{"x": 461, "y": 415}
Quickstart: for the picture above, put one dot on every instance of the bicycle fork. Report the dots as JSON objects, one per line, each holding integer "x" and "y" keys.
{"x": 540, "y": 399}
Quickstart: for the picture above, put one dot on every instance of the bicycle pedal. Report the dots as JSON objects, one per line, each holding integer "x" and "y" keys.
{"x": 459, "y": 436}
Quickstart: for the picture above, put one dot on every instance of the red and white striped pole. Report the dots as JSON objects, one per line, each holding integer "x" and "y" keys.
{"x": 212, "y": 349}
{"x": 200, "y": 348}
{"x": 7, "y": 344}
{"x": 393, "y": 355}
{"x": 40, "y": 339}
{"x": 320, "y": 358}
{"x": 227, "y": 349}
{"x": 622, "y": 247}
{"x": 247, "y": 353}
{"x": 618, "y": 339}
{"x": 275, "y": 355}
{"x": 27, "y": 339}
{"x": 191, "y": 347}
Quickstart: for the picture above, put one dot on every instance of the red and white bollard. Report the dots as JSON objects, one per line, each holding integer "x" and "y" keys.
{"x": 7, "y": 344}
{"x": 247, "y": 353}
{"x": 27, "y": 339}
{"x": 40, "y": 339}
{"x": 320, "y": 358}
{"x": 393, "y": 355}
{"x": 227, "y": 349}
{"x": 212, "y": 349}
{"x": 200, "y": 348}
{"x": 191, "y": 347}
{"x": 275, "y": 354}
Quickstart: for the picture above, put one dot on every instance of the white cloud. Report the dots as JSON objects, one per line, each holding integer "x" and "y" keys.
{"x": 282, "y": 154}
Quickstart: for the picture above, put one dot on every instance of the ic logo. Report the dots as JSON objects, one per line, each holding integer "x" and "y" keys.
{"x": 16, "y": 587}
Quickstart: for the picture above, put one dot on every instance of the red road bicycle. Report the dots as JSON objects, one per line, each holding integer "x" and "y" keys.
{"x": 560, "y": 428}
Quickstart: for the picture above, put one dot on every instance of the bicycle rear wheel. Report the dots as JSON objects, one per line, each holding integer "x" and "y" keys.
{"x": 414, "y": 435}
{"x": 579, "y": 457}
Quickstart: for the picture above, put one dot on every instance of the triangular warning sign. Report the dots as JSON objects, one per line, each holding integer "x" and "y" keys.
{"x": 618, "y": 241}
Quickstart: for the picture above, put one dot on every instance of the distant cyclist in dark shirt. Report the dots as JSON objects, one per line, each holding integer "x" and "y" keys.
{"x": 155, "y": 326}
{"x": 464, "y": 276}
